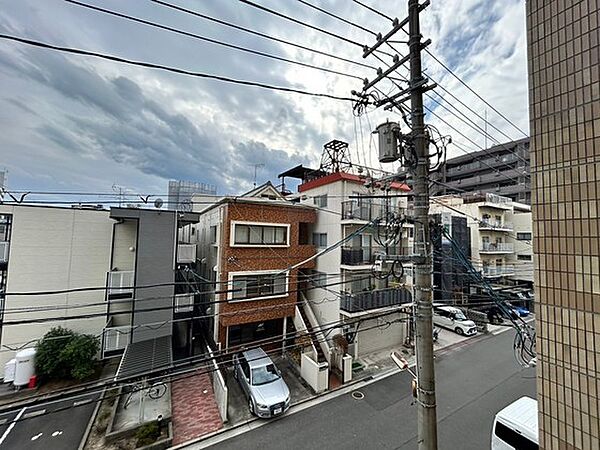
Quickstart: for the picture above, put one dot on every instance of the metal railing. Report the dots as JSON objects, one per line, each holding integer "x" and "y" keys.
{"x": 356, "y": 256}
{"x": 184, "y": 303}
{"x": 495, "y": 224}
{"x": 359, "y": 210}
{"x": 496, "y": 247}
{"x": 120, "y": 282}
{"x": 498, "y": 271}
{"x": 186, "y": 253}
{"x": 368, "y": 300}
{"x": 4, "y": 246}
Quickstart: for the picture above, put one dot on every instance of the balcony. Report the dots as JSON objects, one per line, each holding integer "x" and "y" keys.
{"x": 115, "y": 338}
{"x": 120, "y": 283}
{"x": 362, "y": 210}
{"x": 357, "y": 256}
{"x": 4, "y": 246}
{"x": 499, "y": 247}
{"x": 494, "y": 225}
{"x": 498, "y": 271}
{"x": 370, "y": 300}
{"x": 186, "y": 253}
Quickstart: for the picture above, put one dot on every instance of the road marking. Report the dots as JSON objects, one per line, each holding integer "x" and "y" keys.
{"x": 3, "y": 421}
{"x": 39, "y": 412}
{"x": 11, "y": 426}
{"x": 36, "y": 437}
{"x": 82, "y": 402}
{"x": 57, "y": 433}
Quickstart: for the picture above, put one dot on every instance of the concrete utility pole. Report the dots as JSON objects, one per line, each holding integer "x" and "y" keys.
{"x": 427, "y": 422}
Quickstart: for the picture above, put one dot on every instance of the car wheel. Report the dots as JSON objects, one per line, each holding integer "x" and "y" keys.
{"x": 251, "y": 406}
{"x": 459, "y": 330}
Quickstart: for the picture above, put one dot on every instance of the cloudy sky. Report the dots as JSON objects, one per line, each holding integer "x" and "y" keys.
{"x": 77, "y": 123}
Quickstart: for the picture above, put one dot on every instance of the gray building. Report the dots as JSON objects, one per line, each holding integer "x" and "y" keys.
{"x": 502, "y": 170}
{"x": 181, "y": 192}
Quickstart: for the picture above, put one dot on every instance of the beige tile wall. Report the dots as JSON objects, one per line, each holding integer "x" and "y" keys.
{"x": 564, "y": 100}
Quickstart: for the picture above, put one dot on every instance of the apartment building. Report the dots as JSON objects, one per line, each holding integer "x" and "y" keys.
{"x": 502, "y": 170}
{"x": 564, "y": 112}
{"x": 245, "y": 246}
{"x": 117, "y": 252}
{"x": 495, "y": 246}
{"x": 351, "y": 290}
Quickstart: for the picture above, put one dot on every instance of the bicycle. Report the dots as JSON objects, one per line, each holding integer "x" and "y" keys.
{"x": 155, "y": 391}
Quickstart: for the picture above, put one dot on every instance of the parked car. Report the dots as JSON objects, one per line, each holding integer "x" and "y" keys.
{"x": 521, "y": 310}
{"x": 261, "y": 381}
{"x": 453, "y": 319}
{"x": 516, "y": 426}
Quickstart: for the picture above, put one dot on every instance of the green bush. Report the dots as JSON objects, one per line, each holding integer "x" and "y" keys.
{"x": 147, "y": 434}
{"x": 64, "y": 354}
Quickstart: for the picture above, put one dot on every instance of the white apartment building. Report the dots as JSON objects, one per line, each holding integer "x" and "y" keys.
{"x": 500, "y": 234}
{"x": 351, "y": 290}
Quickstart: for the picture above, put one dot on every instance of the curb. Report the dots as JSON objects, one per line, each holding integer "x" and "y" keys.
{"x": 88, "y": 429}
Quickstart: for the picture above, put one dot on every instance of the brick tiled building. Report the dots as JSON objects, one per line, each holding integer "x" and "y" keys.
{"x": 564, "y": 95}
{"x": 244, "y": 245}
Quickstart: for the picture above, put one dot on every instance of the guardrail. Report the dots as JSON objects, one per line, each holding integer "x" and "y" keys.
{"x": 380, "y": 298}
{"x": 120, "y": 282}
{"x": 496, "y": 247}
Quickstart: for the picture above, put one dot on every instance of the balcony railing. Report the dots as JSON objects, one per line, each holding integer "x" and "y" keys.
{"x": 498, "y": 271}
{"x": 186, "y": 253}
{"x": 116, "y": 338}
{"x": 495, "y": 225}
{"x": 357, "y": 256}
{"x": 4, "y": 246}
{"x": 359, "y": 210}
{"x": 368, "y": 300}
{"x": 120, "y": 282}
{"x": 498, "y": 247}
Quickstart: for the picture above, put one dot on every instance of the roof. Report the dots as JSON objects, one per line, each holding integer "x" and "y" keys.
{"x": 256, "y": 357}
{"x": 486, "y": 153}
{"x": 143, "y": 357}
{"x": 301, "y": 172}
{"x": 521, "y": 414}
{"x": 337, "y": 176}
{"x": 264, "y": 190}
{"x": 257, "y": 201}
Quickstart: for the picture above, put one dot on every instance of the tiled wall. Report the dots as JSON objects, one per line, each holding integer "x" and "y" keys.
{"x": 564, "y": 98}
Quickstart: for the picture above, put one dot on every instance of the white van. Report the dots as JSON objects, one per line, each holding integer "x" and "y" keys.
{"x": 516, "y": 426}
{"x": 453, "y": 319}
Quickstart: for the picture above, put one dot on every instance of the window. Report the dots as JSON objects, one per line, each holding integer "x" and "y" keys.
{"x": 321, "y": 201}
{"x": 524, "y": 257}
{"x": 245, "y": 287}
{"x": 251, "y": 234}
{"x": 513, "y": 438}
{"x": 213, "y": 234}
{"x": 320, "y": 240}
{"x": 524, "y": 236}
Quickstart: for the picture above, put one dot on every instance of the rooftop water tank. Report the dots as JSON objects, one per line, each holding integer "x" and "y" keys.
{"x": 25, "y": 367}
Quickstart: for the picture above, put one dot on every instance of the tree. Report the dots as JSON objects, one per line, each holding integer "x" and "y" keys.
{"x": 63, "y": 353}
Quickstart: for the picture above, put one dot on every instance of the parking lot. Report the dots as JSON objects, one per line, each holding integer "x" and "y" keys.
{"x": 238, "y": 410}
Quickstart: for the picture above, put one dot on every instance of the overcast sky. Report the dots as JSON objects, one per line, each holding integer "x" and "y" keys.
{"x": 83, "y": 124}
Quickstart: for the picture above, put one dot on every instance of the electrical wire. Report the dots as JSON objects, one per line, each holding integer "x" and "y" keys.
{"x": 148, "y": 65}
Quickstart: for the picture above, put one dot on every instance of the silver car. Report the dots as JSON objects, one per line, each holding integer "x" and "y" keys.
{"x": 261, "y": 381}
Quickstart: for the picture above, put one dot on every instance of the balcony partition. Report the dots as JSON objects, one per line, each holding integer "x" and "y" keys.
{"x": 375, "y": 299}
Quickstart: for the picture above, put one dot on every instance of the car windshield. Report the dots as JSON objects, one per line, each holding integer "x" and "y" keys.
{"x": 264, "y": 374}
{"x": 460, "y": 316}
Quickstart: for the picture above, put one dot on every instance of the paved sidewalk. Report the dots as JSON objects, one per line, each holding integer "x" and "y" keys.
{"x": 194, "y": 410}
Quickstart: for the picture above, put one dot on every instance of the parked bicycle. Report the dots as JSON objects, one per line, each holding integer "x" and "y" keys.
{"x": 154, "y": 391}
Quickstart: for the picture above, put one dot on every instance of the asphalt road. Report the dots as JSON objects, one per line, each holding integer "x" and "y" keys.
{"x": 474, "y": 381}
{"x": 47, "y": 426}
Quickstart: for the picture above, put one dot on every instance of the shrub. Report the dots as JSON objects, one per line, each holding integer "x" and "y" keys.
{"x": 147, "y": 434}
{"x": 62, "y": 353}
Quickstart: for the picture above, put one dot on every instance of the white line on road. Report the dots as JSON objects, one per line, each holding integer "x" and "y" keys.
{"x": 11, "y": 426}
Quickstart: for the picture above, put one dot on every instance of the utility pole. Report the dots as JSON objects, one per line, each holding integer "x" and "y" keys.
{"x": 427, "y": 421}
{"x": 412, "y": 149}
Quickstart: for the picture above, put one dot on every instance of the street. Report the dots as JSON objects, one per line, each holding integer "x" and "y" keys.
{"x": 474, "y": 381}
{"x": 39, "y": 427}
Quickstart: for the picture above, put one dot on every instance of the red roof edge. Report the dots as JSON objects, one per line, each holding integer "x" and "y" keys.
{"x": 337, "y": 176}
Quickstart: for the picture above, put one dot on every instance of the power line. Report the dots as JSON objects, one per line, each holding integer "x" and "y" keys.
{"x": 379, "y": 13}
{"x": 118, "y": 59}
{"x": 335, "y": 16}
{"x": 305, "y": 24}
{"x": 209, "y": 40}
{"x": 263, "y": 35}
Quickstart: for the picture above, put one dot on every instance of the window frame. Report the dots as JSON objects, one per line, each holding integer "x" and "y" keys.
{"x": 521, "y": 233}
{"x": 232, "y": 275}
{"x": 320, "y": 236}
{"x": 235, "y": 223}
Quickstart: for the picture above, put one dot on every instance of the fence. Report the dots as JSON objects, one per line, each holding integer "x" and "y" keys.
{"x": 219, "y": 387}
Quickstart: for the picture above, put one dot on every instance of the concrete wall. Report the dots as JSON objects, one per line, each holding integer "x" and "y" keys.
{"x": 55, "y": 249}
{"x": 154, "y": 265}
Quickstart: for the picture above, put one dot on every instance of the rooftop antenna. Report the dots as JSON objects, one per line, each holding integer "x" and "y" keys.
{"x": 256, "y": 167}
